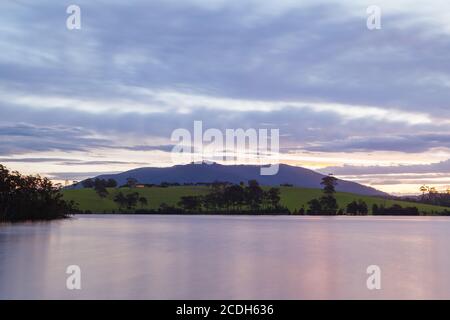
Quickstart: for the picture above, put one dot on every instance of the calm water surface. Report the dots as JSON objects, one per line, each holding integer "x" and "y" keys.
{"x": 218, "y": 257}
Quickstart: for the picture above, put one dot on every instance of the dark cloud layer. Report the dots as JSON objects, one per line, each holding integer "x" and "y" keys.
{"x": 439, "y": 167}
{"x": 411, "y": 143}
{"x": 228, "y": 50}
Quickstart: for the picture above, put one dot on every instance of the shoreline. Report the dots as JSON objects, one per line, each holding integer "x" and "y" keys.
{"x": 216, "y": 214}
{"x": 262, "y": 214}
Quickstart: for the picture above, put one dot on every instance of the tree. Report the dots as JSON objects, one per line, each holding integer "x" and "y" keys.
{"x": 132, "y": 200}
{"x": 395, "y": 209}
{"x": 233, "y": 196}
{"x": 88, "y": 183}
{"x": 121, "y": 200}
{"x": 131, "y": 182}
{"x": 253, "y": 195}
{"x": 128, "y": 201}
{"x": 274, "y": 197}
{"x": 100, "y": 187}
{"x": 30, "y": 198}
{"x": 326, "y": 204}
{"x": 328, "y": 201}
{"x": 314, "y": 207}
{"x": 352, "y": 208}
{"x": 111, "y": 183}
{"x": 143, "y": 201}
{"x": 375, "y": 209}
{"x": 357, "y": 208}
{"x": 102, "y": 192}
{"x": 433, "y": 193}
{"x": 212, "y": 201}
{"x": 363, "y": 208}
{"x": 423, "y": 189}
{"x": 329, "y": 205}
{"x": 329, "y": 182}
{"x": 190, "y": 203}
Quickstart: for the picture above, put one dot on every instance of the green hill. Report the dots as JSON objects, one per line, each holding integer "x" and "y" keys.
{"x": 291, "y": 197}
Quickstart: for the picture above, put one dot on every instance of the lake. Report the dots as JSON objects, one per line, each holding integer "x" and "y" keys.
{"x": 226, "y": 257}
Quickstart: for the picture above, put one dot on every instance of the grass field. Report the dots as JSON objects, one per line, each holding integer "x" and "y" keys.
{"x": 291, "y": 197}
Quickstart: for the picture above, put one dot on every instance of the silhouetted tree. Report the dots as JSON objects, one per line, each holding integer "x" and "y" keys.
{"x": 111, "y": 183}
{"x": 30, "y": 198}
{"x": 100, "y": 187}
{"x": 254, "y": 195}
{"x": 121, "y": 200}
{"x": 132, "y": 200}
{"x": 128, "y": 201}
{"x": 327, "y": 204}
{"x": 131, "y": 182}
{"x": 102, "y": 192}
{"x": 328, "y": 201}
{"x": 395, "y": 209}
{"x": 190, "y": 203}
{"x": 357, "y": 208}
{"x": 274, "y": 197}
{"x": 314, "y": 207}
{"x": 88, "y": 183}
{"x": 143, "y": 201}
{"x": 423, "y": 189}
{"x": 375, "y": 209}
{"x": 329, "y": 183}
{"x": 238, "y": 197}
{"x": 233, "y": 196}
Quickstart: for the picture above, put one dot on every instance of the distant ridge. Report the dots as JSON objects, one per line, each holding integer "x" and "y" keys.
{"x": 202, "y": 172}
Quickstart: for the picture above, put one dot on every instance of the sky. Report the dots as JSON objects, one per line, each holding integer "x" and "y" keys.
{"x": 371, "y": 106}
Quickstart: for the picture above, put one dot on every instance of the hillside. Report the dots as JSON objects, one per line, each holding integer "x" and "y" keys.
{"x": 291, "y": 197}
{"x": 193, "y": 173}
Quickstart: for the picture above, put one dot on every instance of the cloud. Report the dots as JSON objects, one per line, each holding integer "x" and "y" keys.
{"x": 303, "y": 129}
{"x": 394, "y": 177}
{"x": 33, "y": 160}
{"x": 77, "y": 176}
{"x": 22, "y": 138}
{"x": 439, "y": 167}
{"x": 68, "y": 162}
{"x": 411, "y": 143}
{"x": 313, "y": 51}
{"x": 164, "y": 148}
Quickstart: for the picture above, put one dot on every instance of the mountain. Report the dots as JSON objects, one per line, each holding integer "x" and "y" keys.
{"x": 192, "y": 173}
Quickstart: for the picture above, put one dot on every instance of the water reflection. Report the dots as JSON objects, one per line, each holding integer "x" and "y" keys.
{"x": 216, "y": 257}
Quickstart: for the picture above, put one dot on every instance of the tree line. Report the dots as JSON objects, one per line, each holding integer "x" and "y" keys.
{"x": 226, "y": 197}
{"x": 130, "y": 201}
{"x": 100, "y": 185}
{"x": 30, "y": 198}
{"x": 431, "y": 195}
{"x": 327, "y": 204}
